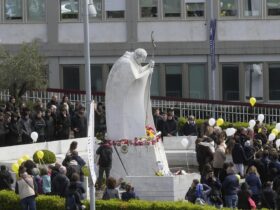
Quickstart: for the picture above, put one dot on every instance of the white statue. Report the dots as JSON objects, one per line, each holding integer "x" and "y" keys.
{"x": 127, "y": 99}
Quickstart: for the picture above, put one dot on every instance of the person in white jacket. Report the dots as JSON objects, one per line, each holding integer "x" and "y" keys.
{"x": 27, "y": 190}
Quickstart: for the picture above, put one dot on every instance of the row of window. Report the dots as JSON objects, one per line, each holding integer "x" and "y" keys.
{"x": 35, "y": 10}
{"x": 170, "y": 78}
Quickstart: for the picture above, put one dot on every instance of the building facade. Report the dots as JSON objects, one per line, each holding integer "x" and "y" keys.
{"x": 247, "y": 52}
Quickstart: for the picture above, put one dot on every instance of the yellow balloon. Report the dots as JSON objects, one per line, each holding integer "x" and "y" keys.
{"x": 253, "y": 101}
{"x": 26, "y": 157}
{"x": 15, "y": 167}
{"x": 275, "y": 131}
{"x": 20, "y": 161}
{"x": 220, "y": 122}
{"x": 40, "y": 154}
{"x": 238, "y": 177}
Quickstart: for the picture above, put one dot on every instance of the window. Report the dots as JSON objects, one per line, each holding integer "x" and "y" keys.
{"x": 172, "y": 8}
{"x": 69, "y": 9}
{"x": 96, "y": 78}
{"x": 197, "y": 81}
{"x": 252, "y": 8}
{"x": 13, "y": 9}
{"x": 230, "y": 82}
{"x": 155, "y": 85}
{"x": 195, "y": 8}
{"x": 228, "y": 8}
{"x": 98, "y": 7}
{"x": 254, "y": 80}
{"x": 173, "y": 80}
{"x": 274, "y": 85}
{"x": 148, "y": 8}
{"x": 71, "y": 77}
{"x": 114, "y": 9}
{"x": 273, "y": 7}
{"x": 36, "y": 10}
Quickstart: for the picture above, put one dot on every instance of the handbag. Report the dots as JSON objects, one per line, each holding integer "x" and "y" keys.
{"x": 252, "y": 203}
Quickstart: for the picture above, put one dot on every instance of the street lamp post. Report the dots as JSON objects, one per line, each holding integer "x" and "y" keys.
{"x": 89, "y": 9}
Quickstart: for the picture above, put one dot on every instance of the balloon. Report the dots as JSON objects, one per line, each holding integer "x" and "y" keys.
{"x": 34, "y": 136}
{"x": 15, "y": 167}
{"x": 212, "y": 121}
{"x": 230, "y": 131}
{"x": 277, "y": 143}
{"x": 40, "y": 154}
{"x": 238, "y": 177}
{"x": 220, "y": 121}
{"x": 277, "y": 126}
{"x": 271, "y": 137}
{"x": 185, "y": 142}
{"x": 20, "y": 161}
{"x": 252, "y": 123}
{"x": 26, "y": 157}
{"x": 275, "y": 131}
{"x": 253, "y": 101}
{"x": 260, "y": 117}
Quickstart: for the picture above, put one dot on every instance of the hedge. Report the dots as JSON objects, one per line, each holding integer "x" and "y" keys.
{"x": 49, "y": 157}
{"x": 10, "y": 201}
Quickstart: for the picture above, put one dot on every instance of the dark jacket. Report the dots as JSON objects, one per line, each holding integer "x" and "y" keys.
{"x": 3, "y": 132}
{"x": 243, "y": 202}
{"x": 5, "y": 180}
{"x": 254, "y": 182}
{"x": 63, "y": 127}
{"x": 230, "y": 185}
{"x": 238, "y": 154}
{"x": 39, "y": 126}
{"x": 126, "y": 196}
{"x": 162, "y": 127}
{"x": 260, "y": 168}
{"x": 60, "y": 185}
{"x": 268, "y": 198}
{"x": 79, "y": 123}
{"x": 105, "y": 151}
{"x": 77, "y": 190}
{"x": 249, "y": 153}
{"x": 50, "y": 128}
{"x": 172, "y": 127}
{"x": 26, "y": 125}
{"x": 189, "y": 129}
{"x": 14, "y": 136}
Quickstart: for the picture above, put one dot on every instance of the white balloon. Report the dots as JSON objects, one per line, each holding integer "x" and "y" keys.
{"x": 212, "y": 121}
{"x": 277, "y": 143}
{"x": 271, "y": 137}
{"x": 260, "y": 117}
{"x": 252, "y": 123}
{"x": 230, "y": 131}
{"x": 185, "y": 142}
{"x": 277, "y": 126}
{"x": 34, "y": 136}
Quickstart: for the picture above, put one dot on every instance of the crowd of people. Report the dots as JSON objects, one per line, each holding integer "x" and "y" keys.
{"x": 18, "y": 121}
{"x": 239, "y": 171}
{"x": 63, "y": 179}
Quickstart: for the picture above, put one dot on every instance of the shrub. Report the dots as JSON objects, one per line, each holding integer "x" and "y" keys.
{"x": 49, "y": 157}
{"x": 10, "y": 201}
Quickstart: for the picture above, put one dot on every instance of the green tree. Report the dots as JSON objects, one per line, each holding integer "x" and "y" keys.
{"x": 22, "y": 71}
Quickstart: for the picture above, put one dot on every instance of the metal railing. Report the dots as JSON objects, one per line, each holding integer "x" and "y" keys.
{"x": 201, "y": 109}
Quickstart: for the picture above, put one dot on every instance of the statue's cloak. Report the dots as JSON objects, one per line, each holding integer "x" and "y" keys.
{"x": 127, "y": 100}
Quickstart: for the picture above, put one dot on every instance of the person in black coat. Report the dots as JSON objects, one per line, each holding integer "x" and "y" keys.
{"x": 50, "y": 126}
{"x": 243, "y": 196}
{"x": 77, "y": 190}
{"x": 6, "y": 179}
{"x": 3, "y": 130}
{"x": 15, "y": 131}
{"x": 204, "y": 153}
{"x": 60, "y": 183}
{"x": 129, "y": 193}
{"x": 79, "y": 124}
{"x": 105, "y": 152}
{"x": 190, "y": 128}
{"x": 238, "y": 156}
{"x": 63, "y": 125}
{"x": 171, "y": 125}
{"x": 39, "y": 126}
{"x": 268, "y": 197}
{"x": 162, "y": 125}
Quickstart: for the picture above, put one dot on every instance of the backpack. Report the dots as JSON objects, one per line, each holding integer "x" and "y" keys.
{"x": 71, "y": 202}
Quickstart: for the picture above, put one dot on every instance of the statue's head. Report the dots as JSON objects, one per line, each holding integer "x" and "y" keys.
{"x": 140, "y": 55}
